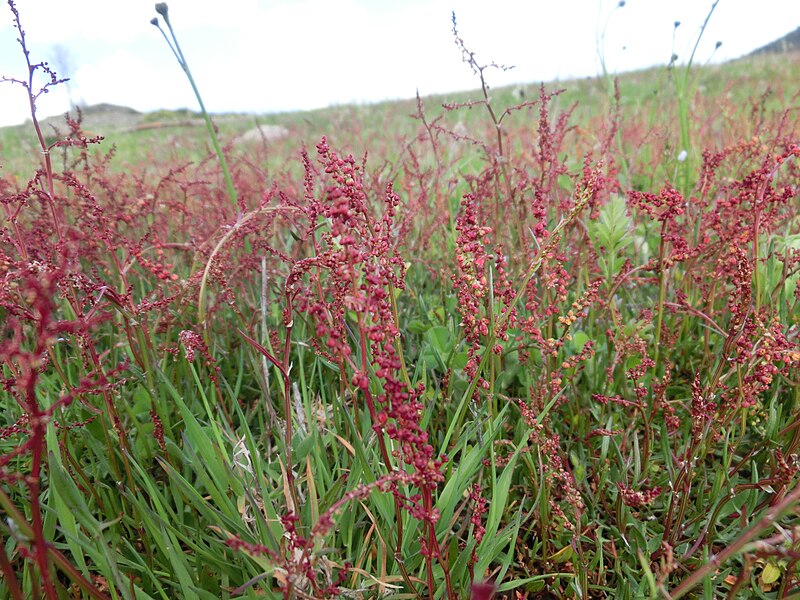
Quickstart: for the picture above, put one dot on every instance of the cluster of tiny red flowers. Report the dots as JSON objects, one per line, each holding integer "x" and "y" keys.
{"x": 663, "y": 207}
{"x": 161, "y": 270}
{"x": 470, "y": 280}
{"x": 739, "y": 300}
{"x": 792, "y": 151}
{"x": 504, "y": 295}
{"x": 555, "y": 280}
{"x": 585, "y": 354}
{"x": 354, "y": 266}
{"x": 18, "y": 428}
{"x": 616, "y": 399}
{"x": 579, "y": 308}
{"x": 479, "y": 507}
{"x": 636, "y": 375}
{"x": 158, "y": 430}
{"x": 703, "y": 408}
{"x": 193, "y": 344}
{"x": 474, "y": 289}
{"x": 764, "y": 352}
{"x": 557, "y": 473}
{"x": 296, "y": 564}
{"x": 638, "y": 498}
{"x": 745, "y": 206}
{"x": 659, "y": 387}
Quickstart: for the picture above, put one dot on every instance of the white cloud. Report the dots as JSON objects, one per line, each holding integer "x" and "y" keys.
{"x": 125, "y": 78}
{"x": 266, "y": 55}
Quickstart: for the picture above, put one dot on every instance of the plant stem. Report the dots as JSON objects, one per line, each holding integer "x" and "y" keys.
{"x": 662, "y": 291}
{"x": 209, "y": 125}
{"x": 738, "y": 545}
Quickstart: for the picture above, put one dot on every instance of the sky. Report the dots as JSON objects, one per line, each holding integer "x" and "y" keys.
{"x": 267, "y": 56}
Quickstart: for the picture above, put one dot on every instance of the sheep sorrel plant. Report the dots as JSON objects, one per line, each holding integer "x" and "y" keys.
{"x": 501, "y": 348}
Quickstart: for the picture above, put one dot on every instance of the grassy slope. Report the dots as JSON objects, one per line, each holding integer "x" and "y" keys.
{"x": 649, "y": 90}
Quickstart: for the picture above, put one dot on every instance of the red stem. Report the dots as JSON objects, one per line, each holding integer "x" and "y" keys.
{"x": 36, "y": 444}
{"x": 287, "y": 404}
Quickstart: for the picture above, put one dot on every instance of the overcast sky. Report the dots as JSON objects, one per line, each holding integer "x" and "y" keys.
{"x": 277, "y": 55}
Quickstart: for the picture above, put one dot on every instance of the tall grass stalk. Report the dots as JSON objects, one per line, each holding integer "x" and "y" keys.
{"x": 163, "y": 10}
{"x": 684, "y": 91}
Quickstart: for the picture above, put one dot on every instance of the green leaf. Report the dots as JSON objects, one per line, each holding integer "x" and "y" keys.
{"x": 439, "y": 337}
{"x": 563, "y": 555}
{"x": 459, "y": 361}
{"x": 610, "y": 233}
{"x": 770, "y": 574}
{"x": 417, "y": 326}
{"x": 71, "y": 498}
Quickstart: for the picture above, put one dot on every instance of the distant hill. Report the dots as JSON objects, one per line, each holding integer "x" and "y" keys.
{"x": 98, "y": 116}
{"x": 112, "y": 117}
{"x": 788, "y": 43}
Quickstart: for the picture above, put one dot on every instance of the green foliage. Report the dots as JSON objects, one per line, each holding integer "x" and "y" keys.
{"x": 610, "y": 233}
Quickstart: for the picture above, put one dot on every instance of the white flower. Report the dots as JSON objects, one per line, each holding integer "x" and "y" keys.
{"x": 682, "y": 155}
